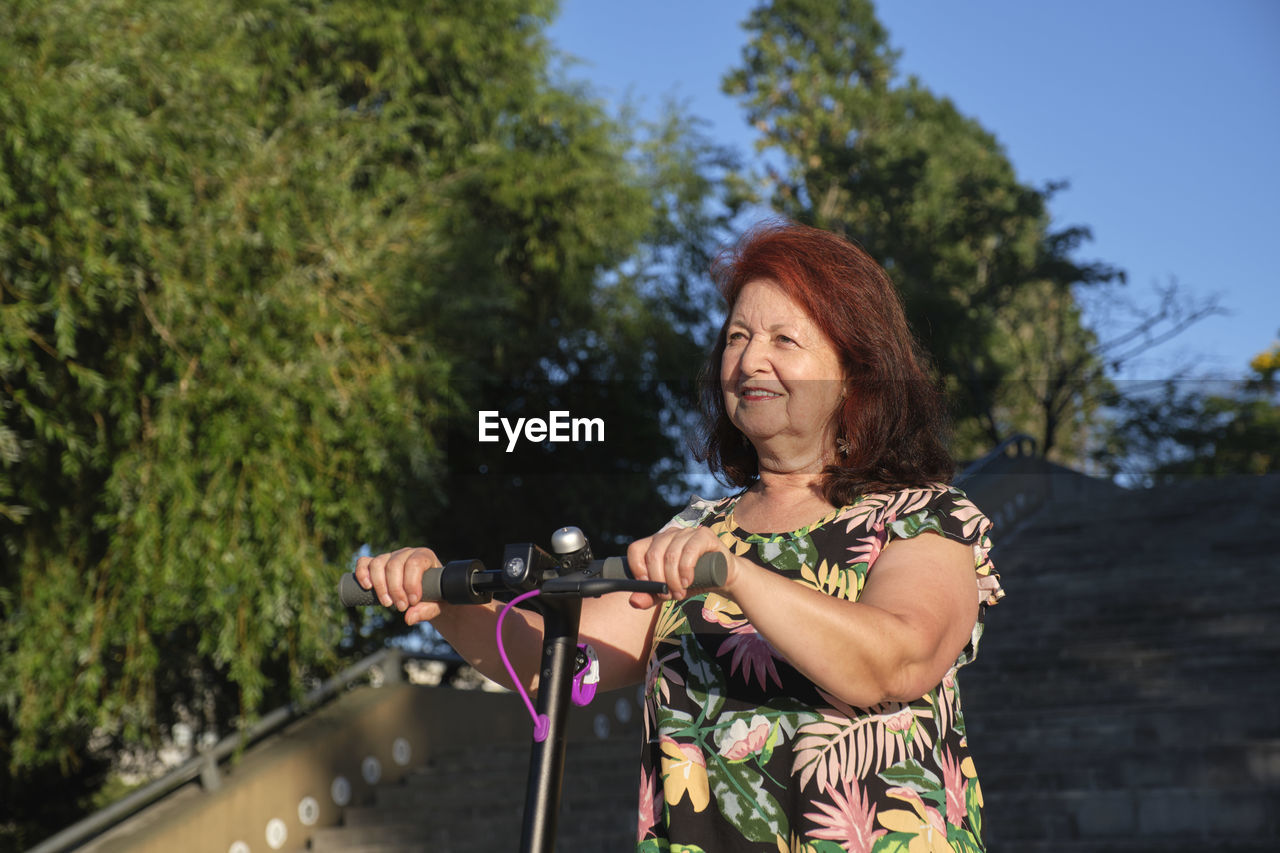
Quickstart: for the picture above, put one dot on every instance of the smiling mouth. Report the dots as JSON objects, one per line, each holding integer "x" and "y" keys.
{"x": 758, "y": 394}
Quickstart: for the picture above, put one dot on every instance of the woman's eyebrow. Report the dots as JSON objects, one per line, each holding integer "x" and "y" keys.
{"x": 789, "y": 324}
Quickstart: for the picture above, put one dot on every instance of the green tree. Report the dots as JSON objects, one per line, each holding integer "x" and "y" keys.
{"x": 199, "y": 424}
{"x": 628, "y": 354}
{"x": 1199, "y": 428}
{"x": 260, "y": 263}
{"x": 931, "y": 194}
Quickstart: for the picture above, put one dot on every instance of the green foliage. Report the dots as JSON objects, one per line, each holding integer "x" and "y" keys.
{"x": 931, "y": 194}
{"x": 260, "y": 264}
{"x": 1193, "y": 429}
{"x": 208, "y": 394}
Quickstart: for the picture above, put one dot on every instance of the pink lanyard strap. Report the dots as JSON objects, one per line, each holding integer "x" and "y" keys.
{"x": 541, "y": 723}
{"x": 585, "y": 679}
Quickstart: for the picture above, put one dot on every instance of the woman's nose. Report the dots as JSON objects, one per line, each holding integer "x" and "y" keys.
{"x": 753, "y": 358}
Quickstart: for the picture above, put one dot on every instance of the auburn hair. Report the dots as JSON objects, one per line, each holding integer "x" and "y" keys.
{"x": 893, "y": 417}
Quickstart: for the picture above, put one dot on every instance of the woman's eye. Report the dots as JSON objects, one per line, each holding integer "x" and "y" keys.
{"x": 736, "y": 336}
{"x": 783, "y": 339}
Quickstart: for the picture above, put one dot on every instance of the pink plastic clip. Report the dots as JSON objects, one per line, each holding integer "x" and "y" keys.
{"x": 587, "y": 678}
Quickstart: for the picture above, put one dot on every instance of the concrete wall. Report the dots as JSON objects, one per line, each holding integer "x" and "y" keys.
{"x": 283, "y": 789}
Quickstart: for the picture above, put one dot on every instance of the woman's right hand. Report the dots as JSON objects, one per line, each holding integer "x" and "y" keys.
{"x": 396, "y": 578}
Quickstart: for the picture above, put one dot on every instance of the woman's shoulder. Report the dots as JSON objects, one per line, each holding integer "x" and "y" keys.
{"x": 877, "y": 519}
{"x": 940, "y": 507}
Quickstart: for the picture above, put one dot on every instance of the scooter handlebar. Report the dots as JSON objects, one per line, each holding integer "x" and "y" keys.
{"x": 711, "y": 570}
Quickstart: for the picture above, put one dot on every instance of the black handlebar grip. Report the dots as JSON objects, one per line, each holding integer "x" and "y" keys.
{"x": 711, "y": 570}
{"x": 351, "y": 594}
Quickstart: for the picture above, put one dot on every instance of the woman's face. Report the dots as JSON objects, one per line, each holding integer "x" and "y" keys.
{"x": 780, "y": 375}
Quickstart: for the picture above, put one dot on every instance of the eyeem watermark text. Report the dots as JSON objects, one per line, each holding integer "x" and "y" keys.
{"x": 558, "y": 426}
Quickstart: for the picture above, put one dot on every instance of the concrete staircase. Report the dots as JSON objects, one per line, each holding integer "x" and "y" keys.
{"x": 1127, "y": 693}
{"x": 471, "y": 801}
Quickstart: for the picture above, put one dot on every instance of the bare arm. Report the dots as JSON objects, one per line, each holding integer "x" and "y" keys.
{"x": 619, "y": 633}
{"x": 895, "y": 643}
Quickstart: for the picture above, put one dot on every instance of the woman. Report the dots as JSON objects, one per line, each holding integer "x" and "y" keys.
{"x": 809, "y": 703}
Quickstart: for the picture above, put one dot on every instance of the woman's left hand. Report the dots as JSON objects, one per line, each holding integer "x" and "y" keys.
{"x": 669, "y": 557}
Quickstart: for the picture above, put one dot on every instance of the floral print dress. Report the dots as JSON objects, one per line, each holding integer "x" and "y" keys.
{"x": 743, "y": 753}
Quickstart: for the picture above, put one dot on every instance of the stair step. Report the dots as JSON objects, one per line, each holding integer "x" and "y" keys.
{"x": 1101, "y": 765}
{"x": 389, "y": 836}
{"x": 472, "y": 800}
{"x": 1175, "y": 814}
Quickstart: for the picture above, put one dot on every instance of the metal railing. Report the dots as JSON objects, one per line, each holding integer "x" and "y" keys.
{"x": 1010, "y": 482}
{"x": 204, "y": 766}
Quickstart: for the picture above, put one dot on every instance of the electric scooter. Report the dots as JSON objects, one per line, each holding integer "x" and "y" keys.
{"x": 553, "y": 585}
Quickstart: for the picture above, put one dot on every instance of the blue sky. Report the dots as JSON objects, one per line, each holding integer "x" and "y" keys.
{"x": 1164, "y": 116}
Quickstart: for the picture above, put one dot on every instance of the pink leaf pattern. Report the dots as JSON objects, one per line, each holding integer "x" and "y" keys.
{"x": 823, "y": 749}
{"x": 753, "y": 652}
{"x": 954, "y": 783}
{"x": 650, "y": 803}
{"x": 848, "y": 819}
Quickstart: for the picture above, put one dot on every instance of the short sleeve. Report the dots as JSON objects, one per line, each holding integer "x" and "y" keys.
{"x": 946, "y": 511}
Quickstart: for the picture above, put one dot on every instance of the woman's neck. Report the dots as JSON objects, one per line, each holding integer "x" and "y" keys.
{"x": 788, "y": 487}
{"x": 780, "y": 502}
{"x": 795, "y": 470}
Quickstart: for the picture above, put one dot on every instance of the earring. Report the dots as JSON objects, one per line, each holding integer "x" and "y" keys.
{"x": 843, "y": 447}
